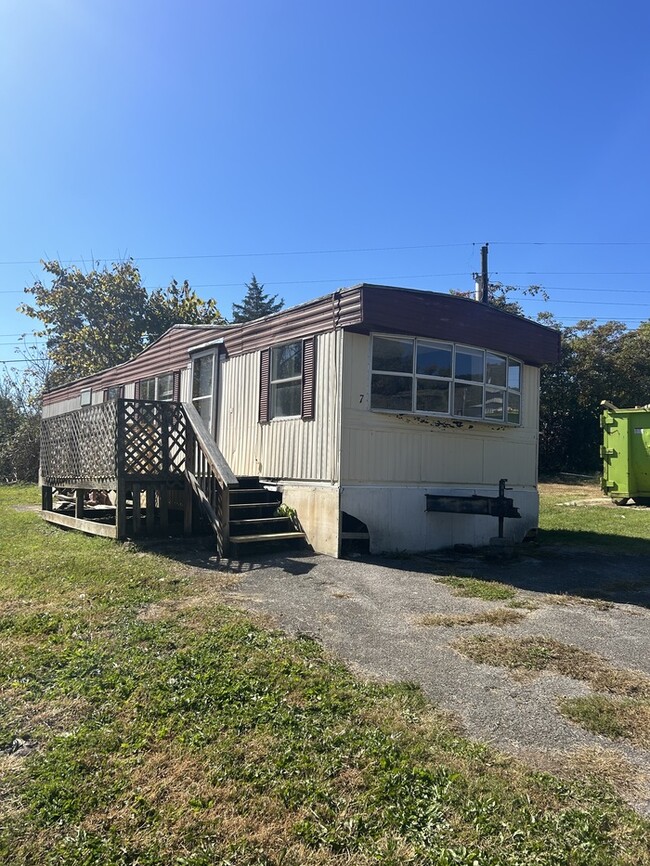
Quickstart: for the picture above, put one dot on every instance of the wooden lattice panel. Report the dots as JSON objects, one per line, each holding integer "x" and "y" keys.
{"x": 153, "y": 437}
{"x": 80, "y": 448}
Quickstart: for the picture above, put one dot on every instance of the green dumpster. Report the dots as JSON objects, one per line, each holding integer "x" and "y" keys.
{"x": 626, "y": 453}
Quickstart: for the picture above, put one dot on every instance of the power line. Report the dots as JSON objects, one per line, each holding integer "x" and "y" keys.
{"x": 95, "y": 259}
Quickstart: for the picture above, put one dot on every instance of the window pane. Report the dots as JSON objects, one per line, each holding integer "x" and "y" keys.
{"x": 285, "y": 399}
{"x": 495, "y": 370}
{"x": 468, "y": 400}
{"x": 286, "y": 361}
{"x": 514, "y": 375}
{"x": 434, "y": 359}
{"x": 432, "y": 396}
{"x": 113, "y": 392}
{"x": 203, "y": 406}
{"x": 166, "y": 386}
{"x": 469, "y": 364}
{"x": 392, "y": 392}
{"x": 148, "y": 389}
{"x": 202, "y": 376}
{"x": 514, "y": 408}
{"x": 494, "y": 404}
{"x": 393, "y": 355}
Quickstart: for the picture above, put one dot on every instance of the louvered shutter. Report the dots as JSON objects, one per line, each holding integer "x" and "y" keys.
{"x": 308, "y": 378}
{"x": 176, "y": 394}
{"x": 265, "y": 385}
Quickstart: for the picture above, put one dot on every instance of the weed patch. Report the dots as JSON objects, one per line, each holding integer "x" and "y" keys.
{"x": 540, "y": 654}
{"x": 472, "y": 587}
{"x": 611, "y": 717}
{"x": 499, "y": 617}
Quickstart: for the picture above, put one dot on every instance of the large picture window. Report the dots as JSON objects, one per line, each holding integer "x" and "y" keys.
{"x": 437, "y": 378}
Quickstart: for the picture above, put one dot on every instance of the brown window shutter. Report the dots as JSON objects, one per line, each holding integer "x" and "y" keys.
{"x": 265, "y": 385}
{"x": 136, "y": 392}
{"x": 105, "y": 395}
{"x": 176, "y": 395}
{"x": 308, "y": 378}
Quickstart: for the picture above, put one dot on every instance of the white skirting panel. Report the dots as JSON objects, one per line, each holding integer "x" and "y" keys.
{"x": 397, "y": 520}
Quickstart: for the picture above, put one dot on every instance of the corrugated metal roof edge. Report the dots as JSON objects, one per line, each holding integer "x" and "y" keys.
{"x": 234, "y": 330}
{"x": 455, "y": 298}
{"x": 122, "y": 364}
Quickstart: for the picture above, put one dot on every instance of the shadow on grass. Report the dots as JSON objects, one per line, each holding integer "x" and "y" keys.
{"x": 589, "y": 565}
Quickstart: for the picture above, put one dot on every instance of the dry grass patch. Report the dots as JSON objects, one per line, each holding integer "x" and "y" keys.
{"x": 539, "y": 654}
{"x": 499, "y": 617}
{"x": 611, "y": 717}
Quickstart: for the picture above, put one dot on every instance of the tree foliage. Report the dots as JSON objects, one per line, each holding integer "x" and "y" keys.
{"x": 598, "y": 362}
{"x": 99, "y": 318}
{"x": 256, "y": 303}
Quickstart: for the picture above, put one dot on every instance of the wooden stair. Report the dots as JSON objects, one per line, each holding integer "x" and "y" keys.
{"x": 254, "y": 520}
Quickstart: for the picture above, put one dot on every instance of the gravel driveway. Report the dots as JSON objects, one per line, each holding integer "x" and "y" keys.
{"x": 369, "y": 613}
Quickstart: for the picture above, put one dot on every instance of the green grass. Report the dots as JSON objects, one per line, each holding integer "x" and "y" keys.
{"x": 611, "y": 717}
{"x": 618, "y": 529}
{"x": 472, "y": 587}
{"x": 172, "y": 730}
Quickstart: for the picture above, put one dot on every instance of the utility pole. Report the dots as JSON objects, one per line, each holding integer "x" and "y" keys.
{"x": 481, "y": 281}
{"x": 484, "y": 274}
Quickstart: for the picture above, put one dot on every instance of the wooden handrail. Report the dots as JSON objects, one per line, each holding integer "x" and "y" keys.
{"x": 207, "y": 444}
{"x": 209, "y": 476}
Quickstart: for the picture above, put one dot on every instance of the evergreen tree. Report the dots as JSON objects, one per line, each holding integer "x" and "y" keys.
{"x": 256, "y": 303}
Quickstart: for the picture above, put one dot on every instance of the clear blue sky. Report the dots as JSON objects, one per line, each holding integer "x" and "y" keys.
{"x": 199, "y": 136}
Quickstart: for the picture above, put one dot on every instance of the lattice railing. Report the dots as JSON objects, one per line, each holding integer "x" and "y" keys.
{"x": 152, "y": 439}
{"x": 133, "y": 439}
{"x": 80, "y": 448}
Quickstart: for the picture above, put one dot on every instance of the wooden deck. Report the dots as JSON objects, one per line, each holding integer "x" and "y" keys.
{"x": 157, "y": 456}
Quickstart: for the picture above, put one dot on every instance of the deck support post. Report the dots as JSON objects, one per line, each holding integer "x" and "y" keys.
{"x": 46, "y": 497}
{"x": 120, "y": 510}
{"x": 151, "y": 509}
{"x": 225, "y": 521}
{"x": 163, "y": 495}
{"x": 188, "y": 502}
{"x": 137, "y": 510}
{"x": 79, "y": 503}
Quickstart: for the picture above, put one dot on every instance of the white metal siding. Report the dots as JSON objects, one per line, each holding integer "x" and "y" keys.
{"x": 284, "y": 448}
{"x": 380, "y": 448}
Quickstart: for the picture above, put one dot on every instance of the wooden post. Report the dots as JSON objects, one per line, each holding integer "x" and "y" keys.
{"x": 46, "y": 497}
{"x": 188, "y": 503}
{"x": 137, "y": 510}
{"x": 163, "y": 495}
{"x": 79, "y": 503}
{"x": 151, "y": 509}
{"x": 120, "y": 509}
{"x": 225, "y": 521}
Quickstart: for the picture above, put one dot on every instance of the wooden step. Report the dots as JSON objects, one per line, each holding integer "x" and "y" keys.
{"x": 258, "y": 520}
{"x": 254, "y": 505}
{"x": 272, "y": 536}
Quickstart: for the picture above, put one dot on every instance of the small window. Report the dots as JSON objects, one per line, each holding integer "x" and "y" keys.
{"x": 86, "y": 397}
{"x": 114, "y": 392}
{"x": 286, "y": 380}
{"x": 202, "y": 379}
{"x": 157, "y": 387}
{"x": 165, "y": 387}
